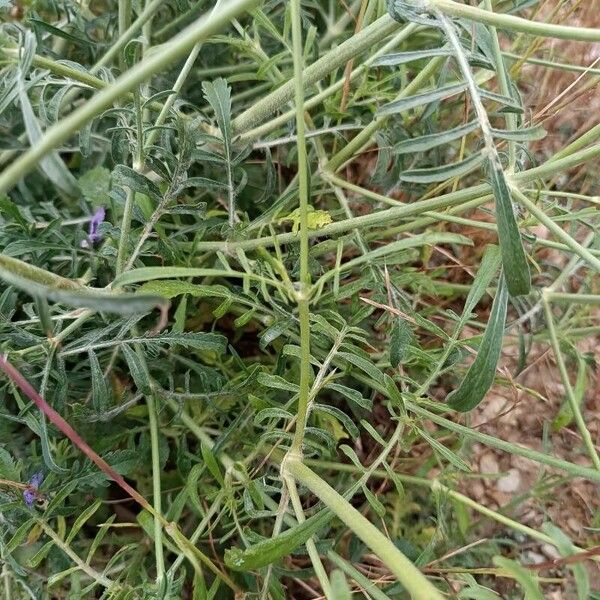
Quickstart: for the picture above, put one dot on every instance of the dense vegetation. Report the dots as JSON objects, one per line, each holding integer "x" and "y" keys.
{"x": 258, "y": 264}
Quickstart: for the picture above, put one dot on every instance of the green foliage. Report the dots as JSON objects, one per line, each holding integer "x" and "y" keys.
{"x": 321, "y": 296}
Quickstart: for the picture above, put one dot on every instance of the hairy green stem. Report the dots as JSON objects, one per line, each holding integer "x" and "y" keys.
{"x": 303, "y": 291}
{"x": 382, "y": 217}
{"x": 330, "y": 61}
{"x": 512, "y": 23}
{"x": 417, "y": 585}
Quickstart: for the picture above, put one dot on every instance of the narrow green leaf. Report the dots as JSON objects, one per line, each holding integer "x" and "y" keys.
{"x": 527, "y": 134}
{"x": 481, "y": 373}
{"x": 376, "y": 505}
{"x": 273, "y": 332}
{"x": 126, "y": 177}
{"x": 524, "y": 577}
{"x": 351, "y": 394}
{"x": 417, "y": 100}
{"x": 40, "y": 555}
{"x": 102, "y": 531}
{"x": 100, "y": 391}
{"x": 490, "y": 263}
{"x": 211, "y": 464}
{"x": 509, "y": 103}
{"x": 136, "y": 369}
{"x": 514, "y": 261}
{"x": 171, "y": 288}
{"x": 351, "y": 454}
{"x": 52, "y": 165}
{"x": 269, "y": 551}
{"x": 82, "y": 519}
{"x": 198, "y": 340}
{"x": 364, "y": 365}
{"x": 438, "y": 174}
{"x": 400, "y": 58}
{"x": 444, "y": 452}
{"x": 373, "y": 432}
{"x": 341, "y": 416}
{"x": 399, "y": 341}
{"x": 218, "y": 95}
{"x": 277, "y": 383}
{"x": 427, "y": 142}
{"x": 19, "y": 536}
{"x": 339, "y": 586}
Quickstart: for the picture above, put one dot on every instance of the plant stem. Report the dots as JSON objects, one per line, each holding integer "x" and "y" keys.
{"x": 330, "y": 61}
{"x": 416, "y": 208}
{"x": 124, "y": 21}
{"x": 310, "y": 543}
{"x": 512, "y": 23}
{"x": 303, "y": 291}
{"x": 436, "y": 485}
{"x": 494, "y": 442}
{"x": 575, "y": 408}
{"x": 504, "y": 85}
{"x": 417, "y": 585}
{"x": 558, "y": 231}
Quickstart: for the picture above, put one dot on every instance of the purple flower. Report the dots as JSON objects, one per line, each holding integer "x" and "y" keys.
{"x": 95, "y": 221}
{"x": 30, "y": 493}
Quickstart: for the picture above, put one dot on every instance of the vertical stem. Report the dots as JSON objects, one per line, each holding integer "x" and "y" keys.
{"x": 511, "y": 119}
{"x": 579, "y": 420}
{"x": 156, "y": 489}
{"x": 303, "y": 292}
{"x": 310, "y": 543}
{"x": 130, "y": 198}
{"x": 124, "y": 21}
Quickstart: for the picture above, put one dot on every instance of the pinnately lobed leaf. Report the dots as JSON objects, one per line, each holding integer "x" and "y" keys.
{"x": 480, "y": 375}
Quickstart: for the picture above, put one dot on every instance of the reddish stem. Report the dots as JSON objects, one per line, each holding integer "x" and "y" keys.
{"x": 63, "y": 426}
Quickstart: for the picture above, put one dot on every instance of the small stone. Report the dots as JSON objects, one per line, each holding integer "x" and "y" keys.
{"x": 488, "y": 465}
{"x": 574, "y": 524}
{"x": 550, "y": 551}
{"x": 477, "y": 490}
{"x": 534, "y": 558}
{"x": 510, "y": 482}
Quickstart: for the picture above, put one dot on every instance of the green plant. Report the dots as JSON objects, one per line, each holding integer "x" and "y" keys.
{"x": 170, "y": 339}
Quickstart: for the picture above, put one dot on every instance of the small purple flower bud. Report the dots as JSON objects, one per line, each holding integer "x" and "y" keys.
{"x": 93, "y": 236}
{"x": 36, "y": 480}
{"x": 97, "y": 218}
{"x": 30, "y": 494}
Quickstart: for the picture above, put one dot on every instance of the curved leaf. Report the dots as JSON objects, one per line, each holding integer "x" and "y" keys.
{"x": 480, "y": 375}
